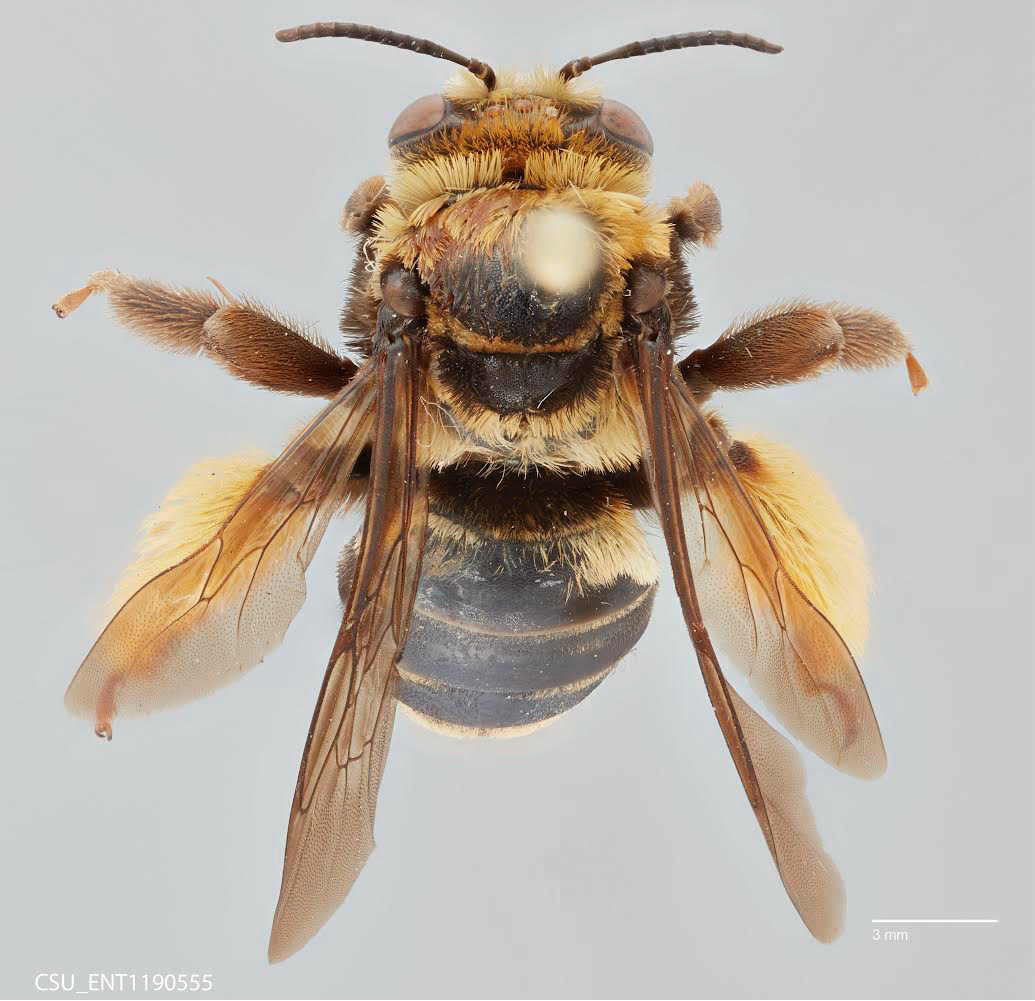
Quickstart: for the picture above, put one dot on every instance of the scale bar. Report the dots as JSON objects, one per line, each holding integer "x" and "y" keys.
{"x": 934, "y": 921}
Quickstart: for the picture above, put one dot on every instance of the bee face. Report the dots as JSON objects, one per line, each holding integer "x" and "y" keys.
{"x": 520, "y": 212}
{"x": 610, "y": 119}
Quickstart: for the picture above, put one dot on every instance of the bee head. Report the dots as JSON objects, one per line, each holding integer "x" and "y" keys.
{"x": 516, "y": 221}
{"x": 529, "y": 109}
{"x": 520, "y": 210}
{"x": 522, "y": 173}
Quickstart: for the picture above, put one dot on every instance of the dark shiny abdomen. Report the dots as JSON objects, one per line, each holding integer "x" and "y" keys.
{"x": 497, "y": 643}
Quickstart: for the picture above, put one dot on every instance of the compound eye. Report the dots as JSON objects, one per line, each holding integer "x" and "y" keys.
{"x": 421, "y": 116}
{"x": 626, "y": 126}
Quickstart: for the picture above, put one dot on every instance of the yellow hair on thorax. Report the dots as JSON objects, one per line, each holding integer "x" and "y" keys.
{"x": 820, "y": 546}
{"x": 419, "y": 182}
{"x": 561, "y": 168}
{"x": 191, "y": 513}
{"x": 630, "y": 229}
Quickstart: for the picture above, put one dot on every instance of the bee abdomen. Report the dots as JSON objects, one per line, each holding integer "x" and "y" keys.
{"x": 500, "y": 644}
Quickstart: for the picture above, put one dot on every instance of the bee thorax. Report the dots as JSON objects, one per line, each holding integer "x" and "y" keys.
{"x": 538, "y": 292}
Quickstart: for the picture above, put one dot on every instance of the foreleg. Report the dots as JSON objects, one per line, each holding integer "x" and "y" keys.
{"x": 696, "y": 218}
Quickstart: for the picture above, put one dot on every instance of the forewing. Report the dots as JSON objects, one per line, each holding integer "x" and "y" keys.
{"x": 794, "y": 658}
{"x": 201, "y": 623}
{"x": 769, "y": 767}
{"x": 773, "y": 777}
{"x": 331, "y": 828}
{"x": 776, "y": 790}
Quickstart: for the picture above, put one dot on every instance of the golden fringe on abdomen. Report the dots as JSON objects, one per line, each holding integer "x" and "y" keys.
{"x": 820, "y": 546}
{"x": 191, "y": 513}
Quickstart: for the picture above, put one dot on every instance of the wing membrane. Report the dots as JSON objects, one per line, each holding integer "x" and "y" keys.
{"x": 809, "y": 874}
{"x": 794, "y": 658}
{"x": 689, "y": 476}
{"x": 201, "y": 623}
{"x": 331, "y": 828}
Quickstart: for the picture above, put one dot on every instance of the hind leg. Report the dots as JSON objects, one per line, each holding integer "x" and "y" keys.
{"x": 247, "y": 339}
{"x": 796, "y": 341}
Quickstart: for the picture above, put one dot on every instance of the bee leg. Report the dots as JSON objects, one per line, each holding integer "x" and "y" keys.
{"x": 696, "y": 217}
{"x": 358, "y": 215}
{"x": 796, "y": 341}
{"x": 248, "y": 340}
{"x": 873, "y": 340}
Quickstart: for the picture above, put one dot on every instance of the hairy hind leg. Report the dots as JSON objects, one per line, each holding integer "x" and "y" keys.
{"x": 247, "y": 339}
{"x": 796, "y": 341}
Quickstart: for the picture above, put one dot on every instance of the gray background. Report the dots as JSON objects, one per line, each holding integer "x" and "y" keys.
{"x": 885, "y": 159}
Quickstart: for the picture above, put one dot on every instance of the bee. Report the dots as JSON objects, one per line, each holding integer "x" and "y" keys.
{"x": 517, "y": 409}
